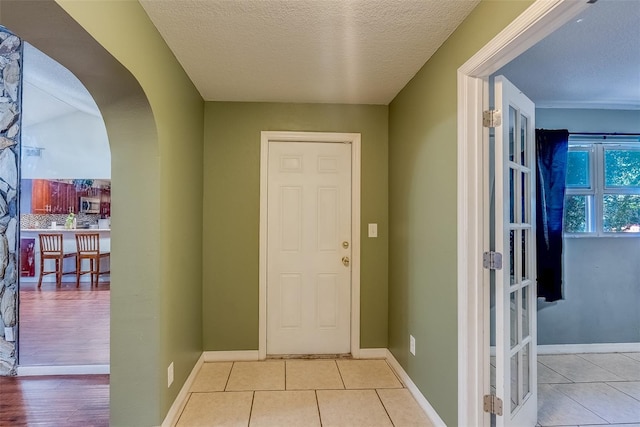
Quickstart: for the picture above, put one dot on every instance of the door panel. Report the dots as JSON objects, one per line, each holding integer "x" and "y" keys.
{"x": 308, "y": 219}
{"x": 515, "y": 292}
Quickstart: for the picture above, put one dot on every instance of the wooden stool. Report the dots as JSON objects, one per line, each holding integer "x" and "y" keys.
{"x": 51, "y": 248}
{"x": 88, "y": 247}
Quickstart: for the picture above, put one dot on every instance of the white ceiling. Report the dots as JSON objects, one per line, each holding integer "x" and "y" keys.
{"x": 317, "y": 51}
{"x": 593, "y": 61}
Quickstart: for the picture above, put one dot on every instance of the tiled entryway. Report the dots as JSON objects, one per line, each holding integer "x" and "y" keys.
{"x": 297, "y": 392}
{"x": 589, "y": 389}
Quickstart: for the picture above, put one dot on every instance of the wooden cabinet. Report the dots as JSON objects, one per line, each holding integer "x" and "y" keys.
{"x": 55, "y": 197}
{"x": 105, "y": 202}
{"x": 40, "y": 196}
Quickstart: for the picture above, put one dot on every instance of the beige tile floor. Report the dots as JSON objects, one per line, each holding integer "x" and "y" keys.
{"x": 294, "y": 392}
{"x": 589, "y": 389}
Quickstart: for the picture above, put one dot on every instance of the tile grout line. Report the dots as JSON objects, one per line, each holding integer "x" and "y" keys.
{"x": 340, "y": 373}
{"x": 601, "y": 367}
{"x": 183, "y": 409}
{"x": 621, "y": 391}
{"x": 384, "y": 407}
{"x": 580, "y": 404}
{"x": 253, "y": 398}
{"x": 226, "y": 384}
{"x": 318, "y": 406}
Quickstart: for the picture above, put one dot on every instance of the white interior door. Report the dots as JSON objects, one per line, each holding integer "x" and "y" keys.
{"x": 308, "y": 248}
{"x": 515, "y": 283}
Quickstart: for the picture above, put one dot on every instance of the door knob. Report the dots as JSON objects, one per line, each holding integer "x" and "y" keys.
{"x": 345, "y": 261}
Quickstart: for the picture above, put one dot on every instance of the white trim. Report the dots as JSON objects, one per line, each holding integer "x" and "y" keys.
{"x": 355, "y": 140}
{"x": 373, "y": 353}
{"x": 182, "y": 397}
{"x": 231, "y": 356}
{"x": 625, "y": 347}
{"x": 540, "y": 19}
{"x": 30, "y": 371}
{"x": 415, "y": 392}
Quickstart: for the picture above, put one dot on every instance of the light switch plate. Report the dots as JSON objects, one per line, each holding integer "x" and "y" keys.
{"x": 373, "y": 230}
{"x": 412, "y": 345}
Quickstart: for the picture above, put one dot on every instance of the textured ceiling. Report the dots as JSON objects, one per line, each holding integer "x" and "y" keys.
{"x": 593, "y": 61}
{"x": 318, "y": 51}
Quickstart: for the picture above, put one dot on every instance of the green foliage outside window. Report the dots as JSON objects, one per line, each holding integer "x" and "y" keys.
{"x": 617, "y": 190}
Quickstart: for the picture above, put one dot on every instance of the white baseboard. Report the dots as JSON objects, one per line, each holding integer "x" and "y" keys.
{"x": 231, "y": 356}
{"x": 415, "y": 392}
{"x": 373, "y": 353}
{"x": 631, "y": 347}
{"x": 181, "y": 399}
{"x": 31, "y": 371}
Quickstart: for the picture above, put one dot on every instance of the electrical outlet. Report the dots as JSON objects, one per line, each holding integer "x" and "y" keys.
{"x": 170, "y": 375}
{"x": 412, "y": 345}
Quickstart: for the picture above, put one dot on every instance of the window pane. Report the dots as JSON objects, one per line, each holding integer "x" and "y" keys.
{"x": 622, "y": 168}
{"x": 578, "y": 169}
{"x": 621, "y": 213}
{"x": 512, "y": 133}
{"x": 523, "y": 140}
{"x": 575, "y": 214}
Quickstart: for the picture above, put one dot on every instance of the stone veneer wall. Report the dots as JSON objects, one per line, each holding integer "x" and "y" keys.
{"x": 10, "y": 113}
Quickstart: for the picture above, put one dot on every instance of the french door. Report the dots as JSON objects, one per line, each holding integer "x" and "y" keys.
{"x": 512, "y": 294}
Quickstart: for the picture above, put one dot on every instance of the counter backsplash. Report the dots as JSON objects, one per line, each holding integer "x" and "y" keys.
{"x": 45, "y": 220}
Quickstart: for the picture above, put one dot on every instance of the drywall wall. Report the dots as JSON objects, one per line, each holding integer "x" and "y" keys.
{"x": 423, "y": 210}
{"x": 232, "y": 212}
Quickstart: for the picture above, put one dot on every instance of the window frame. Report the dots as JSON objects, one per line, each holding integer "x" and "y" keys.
{"x": 597, "y": 190}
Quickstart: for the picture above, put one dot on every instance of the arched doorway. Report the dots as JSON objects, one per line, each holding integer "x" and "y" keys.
{"x": 135, "y": 171}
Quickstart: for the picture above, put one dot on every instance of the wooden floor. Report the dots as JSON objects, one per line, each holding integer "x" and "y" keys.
{"x": 60, "y": 326}
{"x": 64, "y": 326}
{"x": 55, "y": 401}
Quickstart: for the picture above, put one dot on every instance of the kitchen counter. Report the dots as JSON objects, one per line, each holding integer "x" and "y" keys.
{"x": 68, "y": 230}
{"x": 30, "y": 235}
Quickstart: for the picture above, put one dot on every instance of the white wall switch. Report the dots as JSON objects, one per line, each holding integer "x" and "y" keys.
{"x": 170, "y": 375}
{"x": 412, "y": 345}
{"x": 373, "y": 230}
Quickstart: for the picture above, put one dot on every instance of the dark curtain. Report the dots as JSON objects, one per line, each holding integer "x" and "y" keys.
{"x": 551, "y": 149}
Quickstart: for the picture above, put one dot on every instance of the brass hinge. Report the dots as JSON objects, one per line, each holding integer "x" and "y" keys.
{"x": 491, "y": 118}
{"x": 493, "y": 404}
{"x": 492, "y": 260}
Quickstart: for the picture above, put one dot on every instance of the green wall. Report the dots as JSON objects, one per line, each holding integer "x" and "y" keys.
{"x": 423, "y": 210}
{"x": 156, "y": 315}
{"x": 232, "y": 212}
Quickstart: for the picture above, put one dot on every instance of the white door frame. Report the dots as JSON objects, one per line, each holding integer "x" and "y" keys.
{"x": 302, "y": 137}
{"x": 539, "y": 20}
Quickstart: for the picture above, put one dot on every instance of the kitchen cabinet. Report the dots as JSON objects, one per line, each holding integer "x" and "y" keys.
{"x": 40, "y": 196}
{"x": 105, "y": 202}
{"x": 53, "y": 197}
{"x": 56, "y": 197}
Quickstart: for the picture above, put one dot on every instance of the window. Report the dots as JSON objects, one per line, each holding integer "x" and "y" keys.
{"x": 603, "y": 187}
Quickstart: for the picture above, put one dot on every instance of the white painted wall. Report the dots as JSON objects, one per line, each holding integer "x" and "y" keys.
{"x": 74, "y": 146}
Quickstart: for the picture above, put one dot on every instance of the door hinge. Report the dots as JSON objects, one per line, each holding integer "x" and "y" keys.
{"x": 493, "y": 404}
{"x": 491, "y": 118}
{"x": 492, "y": 260}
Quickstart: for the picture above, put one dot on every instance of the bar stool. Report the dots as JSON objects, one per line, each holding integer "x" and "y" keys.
{"x": 51, "y": 248}
{"x": 88, "y": 247}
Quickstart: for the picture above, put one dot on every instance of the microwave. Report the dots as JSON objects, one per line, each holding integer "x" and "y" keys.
{"x": 90, "y": 205}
